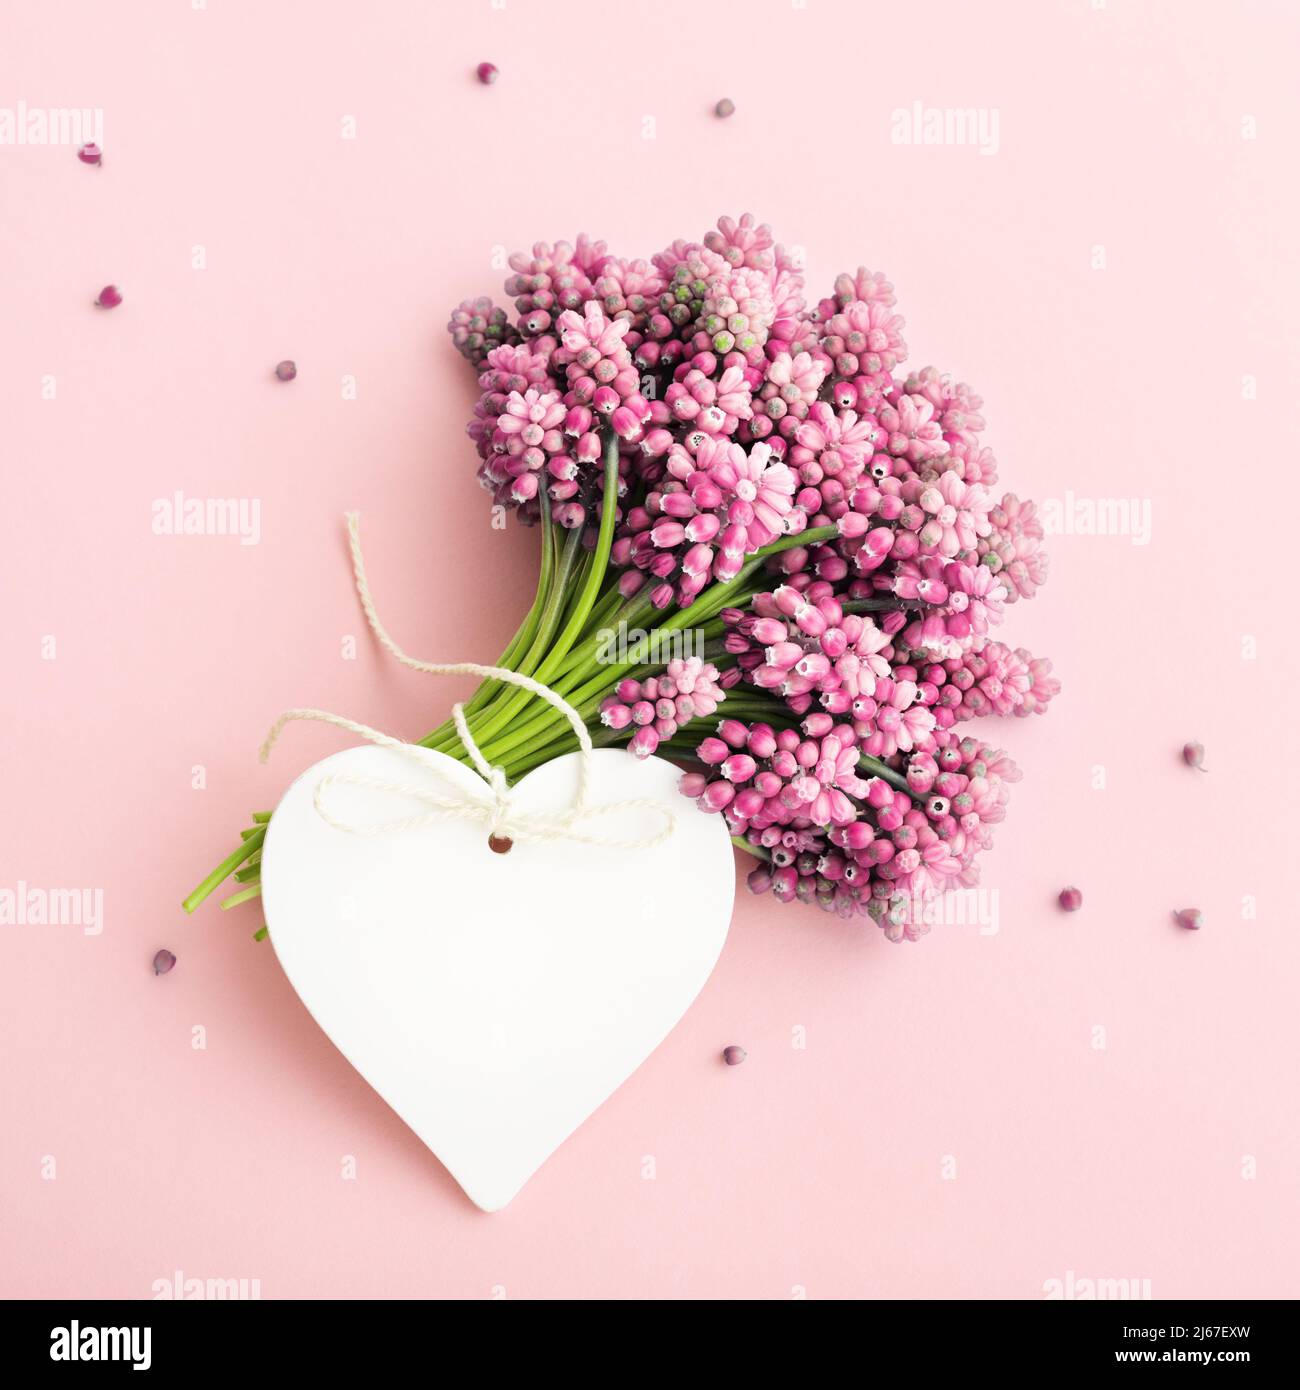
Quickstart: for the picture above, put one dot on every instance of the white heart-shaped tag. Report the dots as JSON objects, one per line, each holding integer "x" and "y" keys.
{"x": 494, "y": 1000}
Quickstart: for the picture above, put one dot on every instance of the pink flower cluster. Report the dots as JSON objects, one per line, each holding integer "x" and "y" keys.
{"x": 854, "y": 845}
{"x": 700, "y": 521}
{"x": 657, "y": 707}
{"x": 748, "y": 418}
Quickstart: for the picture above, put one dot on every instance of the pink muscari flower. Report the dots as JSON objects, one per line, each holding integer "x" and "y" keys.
{"x": 808, "y": 780}
{"x": 957, "y": 512}
{"x": 717, "y": 506}
{"x": 891, "y": 719}
{"x": 530, "y": 414}
{"x": 551, "y": 280}
{"x": 742, "y": 243}
{"x": 965, "y": 598}
{"x": 517, "y": 366}
{"x": 676, "y": 255}
{"x": 838, "y": 443}
{"x": 956, "y": 406}
{"x": 738, "y": 308}
{"x": 869, "y": 286}
{"x": 629, "y": 289}
{"x": 590, "y": 339}
{"x": 793, "y": 380}
{"x": 689, "y": 689}
{"x": 717, "y": 407}
{"x": 1011, "y": 548}
{"x": 760, "y": 489}
{"x": 865, "y": 338}
{"x": 990, "y": 678}
{"x": 528, "y": 438}
{"x": 791, "y": 329}
{"x": 911, "y": 429}
{"x": 476, "y": 326}
{"x": 973, "y": 463}
{"x": 733, "y": 399}
{"x": 644, "y": 742}
{"x": 1043, "y": 687}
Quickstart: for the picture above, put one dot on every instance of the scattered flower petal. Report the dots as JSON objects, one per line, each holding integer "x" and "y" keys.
{"x": 1194, "y": 755}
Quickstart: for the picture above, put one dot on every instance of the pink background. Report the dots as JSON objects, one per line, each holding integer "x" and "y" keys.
{"x": 820, "y": 1168}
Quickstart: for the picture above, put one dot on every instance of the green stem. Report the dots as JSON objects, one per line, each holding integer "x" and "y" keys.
{"x": 605, "y": 609}
{"x": 227, "y": 867}
{"x": 882, "y": 770}
{"x": 512, "y": 699}
{"x": 596, "y": 565}
{"x": 600, "y": 562}
{"x": 244, "y": 895}
{"x": 877, "y": 605}
{"x": 741, "y": 703}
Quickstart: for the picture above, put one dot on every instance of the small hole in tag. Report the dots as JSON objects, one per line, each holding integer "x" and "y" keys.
{"x": 500, "y": 844}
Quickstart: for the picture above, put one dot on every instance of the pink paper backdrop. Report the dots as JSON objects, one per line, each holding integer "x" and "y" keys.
{"x": 1117, "y": 279}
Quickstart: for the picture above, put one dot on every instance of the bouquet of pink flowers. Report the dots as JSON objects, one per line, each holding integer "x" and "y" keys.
{"x": 769, "y": 552}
